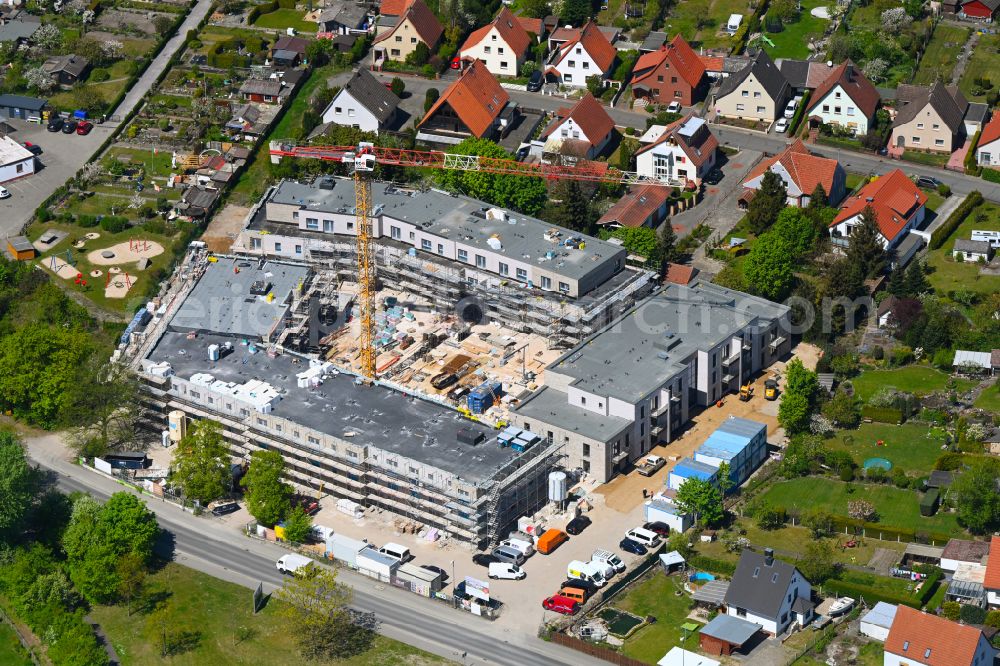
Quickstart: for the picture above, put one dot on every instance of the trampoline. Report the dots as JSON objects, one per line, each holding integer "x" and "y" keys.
{"x": 878, "y": 462}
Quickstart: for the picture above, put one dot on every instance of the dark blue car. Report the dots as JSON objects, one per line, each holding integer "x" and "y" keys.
{"x": 630, "y": 546}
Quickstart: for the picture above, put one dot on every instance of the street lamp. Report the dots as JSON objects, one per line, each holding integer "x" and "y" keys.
{"x": 453, "y": 573}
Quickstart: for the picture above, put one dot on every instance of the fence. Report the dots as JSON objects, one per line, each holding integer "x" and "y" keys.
{"x": 24, "y": 643}
{"x": 595, "y": 650}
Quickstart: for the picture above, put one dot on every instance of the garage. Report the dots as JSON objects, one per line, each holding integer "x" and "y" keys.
{"x": 20, "y": 106}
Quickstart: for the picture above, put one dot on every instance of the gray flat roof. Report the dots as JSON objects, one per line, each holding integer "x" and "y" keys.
{"x": 457, "y": 218}
{"x": 379, "y": 416}
{"x": 222, "y": 301}
{"x": 732, "y": 630}
{"x": 712, "y": 592}
{"x": 650, "y": 344}
{"x": 552, "y": 406}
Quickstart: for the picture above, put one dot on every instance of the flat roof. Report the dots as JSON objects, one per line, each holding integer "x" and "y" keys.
{"x": 881, "y": 615}
{"x": 457, "y": 218}
{"x": 223, "y": 302}
{"x": 712, "y": 592}
{"x": 20, "y": 243}
{"x": 378, "y": 416}
{"x": 732, "y": 630}
{"x": 678, "y": 656}
{"x": 12, "y": 152}
{"x": 652, "y": 342}
{"x": 689, "y": 467}
{"x": 731, "y": 438}
{"x": 552, "y": 406}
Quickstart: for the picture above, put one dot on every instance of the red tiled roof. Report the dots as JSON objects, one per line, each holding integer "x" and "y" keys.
{"x": 805, "y": 169}
{"x": 678, "y": 273}
{"x": 531, "y": 25}
{"x": 393, "y": 7}
{"x": 510, "y": 29}
{"x": 947, "y": 643}
{"x": 992, "y": 579}
{"x": 476, "y": 98}
{"x": 589, "y": 116}
{"x": 712, "y": 63}
{"x": 894, "y": 198}
{"x": 424, "y": 22}
{"x": 681, "y": 57}
{"x": 633, "y": 209}
{"x": 699, "y": 147}
{"x": 991, "y": 132}
{"x": 854, "y": 83}
{"x": 564, "y": 34}
{"x": 595, "y": 44}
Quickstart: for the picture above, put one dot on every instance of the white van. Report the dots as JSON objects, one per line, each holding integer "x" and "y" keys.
{"x": 609, "y": 558}
{"x": 586, "y": 571}
{"x": 397, "y": 552}
{"x": 646, "y": 537}
{"x": 526, "y": 547}
{"x": 292, "y": 563}
{"x": 506, "y": 571}
{"x": 606, "y": 569}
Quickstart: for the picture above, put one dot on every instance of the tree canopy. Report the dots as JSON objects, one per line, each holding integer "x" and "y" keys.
{"x": 267, "y": 495}
{"x": 103, "y": 407}
{"x": 768, "y": 268}
{"x": 527, "y": 195}
{"x": 18, "y": 485}
{"x": 701, "y": 499}
{"x": 798, "y": 400}
{"x": 864, "y": 246}
{"x": 976, "y": 497}
{"x": 201, "y": 462}
{"x": 767, "y": 203}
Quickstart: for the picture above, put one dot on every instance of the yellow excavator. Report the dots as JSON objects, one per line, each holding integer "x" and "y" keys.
{"x": 746, "y": 392}
{"x": 770, "y": 389}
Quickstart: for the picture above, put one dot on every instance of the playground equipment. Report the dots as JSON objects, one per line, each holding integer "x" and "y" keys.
{"x": 54, "y": 266}
{"x": 138, "y": 245}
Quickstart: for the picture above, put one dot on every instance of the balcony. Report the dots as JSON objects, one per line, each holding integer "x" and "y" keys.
{"x": 777, "y": 342}
{"x": 732, "y": 358}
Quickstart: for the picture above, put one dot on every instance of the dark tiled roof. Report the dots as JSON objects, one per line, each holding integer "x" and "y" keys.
{"x": 764, "y": 70}
{"x": 372, "y": 94}
{"x": 758, "y": 586}
{"x": 948, "y": 101}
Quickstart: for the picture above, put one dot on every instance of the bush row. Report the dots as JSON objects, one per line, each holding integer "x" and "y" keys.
{"x": 942, "y": 233}
{"x": 991, "y": 175}
{"x": 970, "y": 157}
{"x": 267, "y": 8}
{"x": 711, "y": 564}
{"x": 749, "y": 26}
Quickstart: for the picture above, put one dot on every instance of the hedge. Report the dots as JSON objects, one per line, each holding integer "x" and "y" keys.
{"x": 958, "y": 216}
{"x": 887, "y": 533}
{"x": 970, "y": 157}
{"x": 711, "y": 564}
{"x": 882, "y": 414}
{"x": 267, "y": 8}
{"x": 872, "y": 593}
{"x": 749, "y": 25}
{"x": 929, "y": 502}
{"x": 991, "y": 175}
{"x": 800, "y": 112}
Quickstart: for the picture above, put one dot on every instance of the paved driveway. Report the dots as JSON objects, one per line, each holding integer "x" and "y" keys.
{"x": 62, "y": 156}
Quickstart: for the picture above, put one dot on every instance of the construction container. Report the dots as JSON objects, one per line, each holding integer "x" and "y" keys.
{"x": 484, "y": 396}
{"x": 524, "y": 441}
{"x": 350, "y": 507}
{"x": 470, "y": 436}
{"x": 507, "y": 436}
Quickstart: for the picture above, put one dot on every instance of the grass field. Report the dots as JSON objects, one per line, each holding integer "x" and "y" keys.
{"x": 210, "y": 611}
{"x": 990, "y": 398}
{"x": 654, "y": 595}
{"x": 911, "y": 447}
{"x": 950, "y": 275}
{"x": 684, "y": 17}
{"x": 917, "y": 379}
{"x": 11, "y": 651}
{"x": 985, "y": 62}
{"x": 896, "y": 508}
{"x": 793, "y": 41}
{"x": 280, "y": 19}
{"x": 942, "y": 52}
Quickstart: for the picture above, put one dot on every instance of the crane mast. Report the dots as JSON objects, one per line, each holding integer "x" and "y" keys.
{"x": 366, "y": 271}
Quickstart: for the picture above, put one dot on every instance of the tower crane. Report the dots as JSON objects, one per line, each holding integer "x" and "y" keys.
{"x": 364, "y": 157}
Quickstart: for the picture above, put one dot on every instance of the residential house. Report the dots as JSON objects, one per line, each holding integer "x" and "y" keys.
{"x": 988, "y": 149}
{"x": 972, "y": 250}
{"x": 644, "y": 205}
{"x": 719, "y": 67}
{"x": 586, "y": 122}
{"x": 558, "y": 36}
{"x": 898, "y": 204}
{"x": 654, "y": 42}
{"x": 289, "y": 51}
{"x": 66, "y": 69}
{"x": 16, "y": 161}
{"x": 245, "y": 121}
{"x": 501, "y": 45}
{"x": 885, "y": 313}
{"x": 801, "y": 172}
{"x": 535, "y": 27}
{"x": 673, "y": 73}
{"x": 274, "y": 89}
{"x": 929, "y": 118}
{"x": 991, "y": 581}
{"x": 417, "y": 25}
{"x": 958, "y": 552}
{"x": 20, "y": 30}
{"x": 930, "y": 640}
{"x": 846, "y": 98}
{"x": 803, "y": 75}
{"x": 683, "y": 154}
{"x": 343, "y": 17}
{"x": 474, "y": 105}
{"x": 769, "y": 592}
{"x": 364, "y": 102}
{"x": 680, "y": 274}
{"x": 979, "y": 10}
{"x": 197, "y": 202}
{"x": 758, "y": 92}
{"x": 574, "y": 61}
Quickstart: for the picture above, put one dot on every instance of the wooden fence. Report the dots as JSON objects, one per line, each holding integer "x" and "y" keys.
{"x": 595, "y": 650}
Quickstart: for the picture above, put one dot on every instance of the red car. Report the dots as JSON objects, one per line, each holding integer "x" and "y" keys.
{"x": 561, "y": 604}
{"x": 456, "y": 63}
{"x": 84, "y": 127}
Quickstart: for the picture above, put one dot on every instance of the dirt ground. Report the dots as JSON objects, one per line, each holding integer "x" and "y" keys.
{"x": 224, "y": 228}
{"x": 624, "y": 492}
{"x": 125, "y": 253}
{"x": 61, "y": 268}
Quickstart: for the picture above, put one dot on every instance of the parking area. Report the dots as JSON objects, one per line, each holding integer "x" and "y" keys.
{"x": 62, "y": 156}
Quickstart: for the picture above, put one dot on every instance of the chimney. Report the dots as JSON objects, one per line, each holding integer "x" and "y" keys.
{"x": 768, "y": 556}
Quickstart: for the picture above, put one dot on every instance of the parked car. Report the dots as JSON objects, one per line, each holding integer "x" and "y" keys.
{"x": 84, "y": 127}
{"x": 4, "y": 192}
{"x": 781, "y": 126}
{"x": 658, "y": 527}
{"x": 434, "y": 569}
{"x": 581, "y": 584}
{"x": 535, "y": 81}
{"x": 506, "y": 571}
{"x": 225, "y": 509}
{"x": 55, "y": 124}
{"x": 199, "y": 60}
{"x": 522, "y": 153}
{"x": 69, "y": 127}
{"x": 928, "y": 182}
{"x": 645, "y": 537}
{"x": 456, "y": 63}
{"x": 508, "y": 554}
{"x": 650, "y": 465}
{"x": 484, "y": 559}
{"x": 630, "y": 546}
{"x": 32, "y": 148}
{"x": 674, "y": 107}
{"x": 561, "y": 604}
{"x": 790, "y": 109}
{"x": 577, "y": 525}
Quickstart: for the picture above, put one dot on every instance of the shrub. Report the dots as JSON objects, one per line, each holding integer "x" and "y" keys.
{"x": 397, "y": 86}
{"x": 991, "y": 175}
{"x": 951, "y": 610}
{"x": 87, "y": 221}
{"x": 770, "y": 518}
{"x": 878, "y": 353}
{"x": 99, "y": 75}
{"x": 949, "y": 461}
{"x": 846, "y": 474}
{"x": 712, "y": 564}
{"x": 114, "y": 224}
{"x": 899, "y": 478}
{"x": 944, "y": 190}
{"x": 957, "y": 216}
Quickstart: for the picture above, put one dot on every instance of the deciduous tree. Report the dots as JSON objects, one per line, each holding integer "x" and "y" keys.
{"x": 297, "y": 525}
{"x": 267, "y": 495}
{"x": 18, "y": 485}
{"x": 318, "y": 613}
{"x": 817, "y": 563}
{"x": 103, "y": 410}
{"x": 976, "y": 497}
{"x": 701, "y": 499}
{"x": 768, "y": 268}
{"x": 201, "y": 463}
{"x": 526, "y": 195}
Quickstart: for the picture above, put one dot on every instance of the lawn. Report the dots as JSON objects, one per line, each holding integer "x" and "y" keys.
{"x": 896, "y": 507}
{"x": 920, "y": 380}
{"x": 911, "y": 447}
{"x": 11, "y": 651}
{"x": 985, "y": 62}
{"x": 990, "y": 398}
{"x": 654, "y": 595}
{"x": 280, "y": 19}
{"x": 684, "y": 17}
{"x": 793, "y": 40}
{"x": 950, "y": 275}
{"x": 942, "y": 52}
{"x": 155, "y": 164}
{"x": 211, "y": 611}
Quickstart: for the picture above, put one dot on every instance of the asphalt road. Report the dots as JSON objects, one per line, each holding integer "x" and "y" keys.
{"x": 199, "y": 542}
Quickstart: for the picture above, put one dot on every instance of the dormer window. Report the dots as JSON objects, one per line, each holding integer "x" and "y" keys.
{"x": 906, "y": 645}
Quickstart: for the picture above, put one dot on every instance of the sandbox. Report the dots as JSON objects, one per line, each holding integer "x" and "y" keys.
{"x": 125, "y": 252}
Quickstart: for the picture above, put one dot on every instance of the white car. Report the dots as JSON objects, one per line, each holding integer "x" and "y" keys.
{"x": 790, "y": 109}
{"x": 4, "y": 193}
{"x": 674, "y": 107}
{"x": 781, "y": 126}
{"x": 506, "y": 571}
